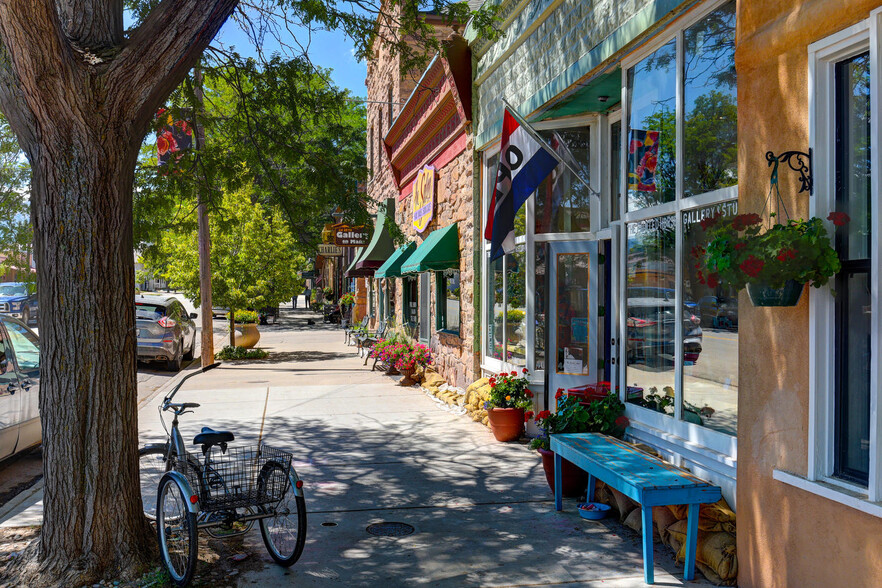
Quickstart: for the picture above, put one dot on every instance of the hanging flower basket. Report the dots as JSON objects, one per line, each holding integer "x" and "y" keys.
{"x": 765, "y": 295}
{"x": 774, "y": 264}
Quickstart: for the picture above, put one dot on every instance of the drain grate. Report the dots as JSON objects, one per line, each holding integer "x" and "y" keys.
{"x": 390, "y": 529}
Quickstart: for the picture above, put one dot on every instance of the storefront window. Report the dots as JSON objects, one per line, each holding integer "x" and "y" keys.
{"x": 710, "y": 103}
{"x": 652, "y": 125}
{"x": 411, "y": 304}
{"x": 852, "y": 284}
{"x": 448, "y": 301}
{"x": 651, "y": 313}
{"x": 539, "y": 299}
{"x": 425, "y": 327}
{"x": 496, "y": 307}
{"x": 615, "y": 168}
{"x": 571, "y": 292}
{"x": 563, "y": 202}
{"x": 710, "y": 334}
{"x": 516, "y": 306}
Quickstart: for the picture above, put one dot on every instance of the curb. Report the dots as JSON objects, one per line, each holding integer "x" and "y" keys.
{"x": 7, "y": 510}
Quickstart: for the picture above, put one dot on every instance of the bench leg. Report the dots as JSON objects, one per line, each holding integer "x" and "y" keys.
{"x": 558, "y": 486}
{"x": 648, "y": 575}
{"x": 691, "y": 541}
{"x": 592, "y": 483}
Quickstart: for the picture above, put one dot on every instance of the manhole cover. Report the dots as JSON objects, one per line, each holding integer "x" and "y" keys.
{"x": 390, "y": 529}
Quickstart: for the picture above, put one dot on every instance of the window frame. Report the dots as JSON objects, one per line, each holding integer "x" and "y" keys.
{"x": 645, "y": 423}
{"x": 822, "y": 58}
{"x": 424, "y": 308}
{"x": 441, "y": 304}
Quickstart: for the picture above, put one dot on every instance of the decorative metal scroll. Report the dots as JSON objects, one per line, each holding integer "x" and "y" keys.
{"x": 799, "y": 162}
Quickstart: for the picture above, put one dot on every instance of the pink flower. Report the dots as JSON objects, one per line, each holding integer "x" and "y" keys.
{"x": 838, "y": 218}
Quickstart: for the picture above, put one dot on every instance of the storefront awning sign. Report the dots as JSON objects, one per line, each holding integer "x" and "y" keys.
{"x": 423, "y": 198}
{"x": 330, "y": 250}
{"x": 392, "y": 267}
{"x": 349, "y": 236}
{"x": 440, "y": 251}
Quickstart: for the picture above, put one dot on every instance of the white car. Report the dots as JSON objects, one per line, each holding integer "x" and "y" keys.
{"x": 19, "y": 387}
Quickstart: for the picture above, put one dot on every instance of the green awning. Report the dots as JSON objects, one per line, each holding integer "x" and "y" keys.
{"x": 392, "y": 267}
{"x": 349, "y": 270}
{"x": 381, "y": 246}
{"x": 440, "y": 251}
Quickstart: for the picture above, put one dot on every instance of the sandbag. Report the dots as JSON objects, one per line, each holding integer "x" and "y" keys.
{"x": 624, "y": 505}
{"x": 634, "y": 520}
{"x": 716, "y": 550}
{"x": 709, "y": 514}
{"x": 663, "y": 518}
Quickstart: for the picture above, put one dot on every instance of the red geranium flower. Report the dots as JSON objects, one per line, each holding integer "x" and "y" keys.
{"x": 752, "y": 266}
{"x": 740, "y": 246}
{"x": 707, "y": 223}
{"x": 514, "y": 374}
{"x": 786, "y": 254}
{"x": 528, "y": 415}
{"x": 838, "y": 218}
{"x": 697, "y": 252}
{"x": 713, "y": 280}
{"x": 742, "y": 221}
{"x": 558, "y": 395}
{"x": 528, "y": 393}
{"x": 623, "y": 421}
{"x": 525, "y": 370}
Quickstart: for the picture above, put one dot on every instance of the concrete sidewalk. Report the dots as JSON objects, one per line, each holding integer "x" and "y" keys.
{"x": 371, "y": 451}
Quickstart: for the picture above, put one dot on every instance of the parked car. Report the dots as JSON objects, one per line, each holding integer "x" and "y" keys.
{"x": 17, "y": 300}
{"x": 719, "y": 313}
{"x": 651, "y": 324}
{"x": 166, "y": 332}
{"x": 19, "y": 387}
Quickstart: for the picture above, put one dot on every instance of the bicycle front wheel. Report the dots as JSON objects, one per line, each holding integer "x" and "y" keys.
{"x": 176, "y": 531}
{"x": 153, "y": 464}
{"x": 284, "y": 533}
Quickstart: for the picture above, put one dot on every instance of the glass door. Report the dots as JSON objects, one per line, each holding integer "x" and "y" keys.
{"x": 573, "y": 310}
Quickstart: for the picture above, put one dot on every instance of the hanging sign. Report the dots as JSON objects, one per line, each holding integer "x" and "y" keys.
{"x": 349, "y": 236}
{"x": 330, "y": 250}
{"x": 423, "y": 198}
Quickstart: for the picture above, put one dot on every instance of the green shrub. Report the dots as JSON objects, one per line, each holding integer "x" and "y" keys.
{"x": 245, "y": 317}
{"x": 512, "y": 316}
{"x": 230, "y": 352}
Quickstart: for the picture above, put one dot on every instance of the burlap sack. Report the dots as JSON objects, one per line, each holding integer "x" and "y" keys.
{"x": 709, "y": 515}
{"x": 624, "y": 505}
{"x": 716, "y": 550}
{"x": 663, "y": 518}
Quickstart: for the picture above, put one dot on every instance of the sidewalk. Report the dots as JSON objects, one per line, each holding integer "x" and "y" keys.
{"x": 370, "y": 451}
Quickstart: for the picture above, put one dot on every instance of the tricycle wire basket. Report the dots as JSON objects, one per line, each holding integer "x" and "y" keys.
{"x": 240, "y": 477}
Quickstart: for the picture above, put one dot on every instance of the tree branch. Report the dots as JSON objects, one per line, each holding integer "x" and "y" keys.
{"x": 159, "y": 54}
{"x": 94, "y": 25}
{"x": 14, "y": 106}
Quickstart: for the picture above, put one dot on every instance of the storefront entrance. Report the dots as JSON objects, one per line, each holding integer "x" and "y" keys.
{"x": 576, "y": 306}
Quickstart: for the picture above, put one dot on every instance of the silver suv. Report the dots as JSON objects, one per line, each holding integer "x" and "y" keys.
{"x": 166, "y": 332}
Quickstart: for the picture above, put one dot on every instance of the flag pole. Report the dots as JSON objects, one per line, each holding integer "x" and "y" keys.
{"x": 523, "y": 123}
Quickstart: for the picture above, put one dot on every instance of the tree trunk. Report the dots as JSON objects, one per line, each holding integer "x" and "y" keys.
{"x": 232, "y": 328}
{"x": 81, "y": 207}
{"x": 80, "y": 96}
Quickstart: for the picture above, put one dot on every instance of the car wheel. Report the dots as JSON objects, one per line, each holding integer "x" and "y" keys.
{"x": 174, "y": 365}
{"x": 26, "y": 316}
{"x": 190, "y": 352}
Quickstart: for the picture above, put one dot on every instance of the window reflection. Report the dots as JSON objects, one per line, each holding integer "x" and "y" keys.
{"x": 496, "y": 304}
{"x": 651, "y": 314}
{"x": 652, "y": 128}
{"x": 516, "y": 307}
{"x": 710, "y": 335}
{"x": 563, "y": 202}
{"x": 539, "y": 304}
{"x": 710, "y": 103}
{"x": 452, "y": 300}
{"x": 572, "y": 312}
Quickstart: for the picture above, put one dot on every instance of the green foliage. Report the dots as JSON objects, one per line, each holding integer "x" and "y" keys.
{"x": 347, "y": 298}
{"x": 601, "y": 416}
{"x": 16, "y": 233}
{"x": 231, "y": 352}
{"x": 245, "y": 317}
{"x": 739, "y": 251}
{"x": 508, "y": 390}
{"x": 253, "y": 261}
{"x": 513, "y": 315}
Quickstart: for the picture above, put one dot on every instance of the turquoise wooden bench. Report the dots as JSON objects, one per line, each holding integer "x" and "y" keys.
{"x": 640, "y": 476}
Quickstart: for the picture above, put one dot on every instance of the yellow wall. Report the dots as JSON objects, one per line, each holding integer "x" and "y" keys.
{"x": 786, "y": 536}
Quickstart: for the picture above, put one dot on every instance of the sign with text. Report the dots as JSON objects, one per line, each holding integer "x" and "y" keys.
{"x": 423, "y": 198}
{"x": 330, "y": 250}
{"x": 349, "y": 236}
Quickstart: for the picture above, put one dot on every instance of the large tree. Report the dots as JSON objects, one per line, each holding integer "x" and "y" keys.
{"x": 80, "y": 92}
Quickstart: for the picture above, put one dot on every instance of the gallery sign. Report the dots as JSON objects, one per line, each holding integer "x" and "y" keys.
{"x": 330, "y": 250}
{"x": 423, "y": 198}
{"x": 349, "y": 236}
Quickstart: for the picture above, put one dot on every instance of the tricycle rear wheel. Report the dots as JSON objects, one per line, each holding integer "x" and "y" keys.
{"x": 284, "y": 534}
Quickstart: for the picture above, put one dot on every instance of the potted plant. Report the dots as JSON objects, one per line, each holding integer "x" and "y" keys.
{"x": 389, "y": 350}
{"x": 417, "y": 355}
{"x": 774, "y": 265}
{"x": 247, "y": 335}
{"x": 604, "y": 415}
{"x": 514, "y": 319}
{"x": 509, "y": 397}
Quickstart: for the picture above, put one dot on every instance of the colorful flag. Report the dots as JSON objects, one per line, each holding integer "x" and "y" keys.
{"x": 642, "y": 160}
{"x": 172, "y": 136}
{"x": 524, "y": 162}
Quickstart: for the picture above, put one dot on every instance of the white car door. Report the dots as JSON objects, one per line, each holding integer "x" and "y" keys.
{"x": 10, "y": 400}
{"x": 26, "y": 347}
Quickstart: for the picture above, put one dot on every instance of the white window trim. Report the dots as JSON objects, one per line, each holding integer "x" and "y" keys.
{"x": 823, "y": 55}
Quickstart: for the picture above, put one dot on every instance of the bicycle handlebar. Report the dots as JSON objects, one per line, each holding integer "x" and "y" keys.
{"x": 174, "y": 391}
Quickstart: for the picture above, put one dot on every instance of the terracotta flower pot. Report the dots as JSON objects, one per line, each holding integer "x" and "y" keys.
{"x": 574, "y": 479}
{"x": 408, "y": 376}
{"x": 507, "y": 424}
{"x": 247, "y": 335}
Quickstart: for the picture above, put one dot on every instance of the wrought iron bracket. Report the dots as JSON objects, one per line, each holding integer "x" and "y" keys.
{"x": 799, "y": 162}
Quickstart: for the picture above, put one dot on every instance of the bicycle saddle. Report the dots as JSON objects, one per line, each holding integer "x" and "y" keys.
{"x": 209, "y": 436}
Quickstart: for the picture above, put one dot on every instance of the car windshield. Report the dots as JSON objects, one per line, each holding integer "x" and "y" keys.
{"x": 150, "y": 312}
{"x": 13, "y": 290}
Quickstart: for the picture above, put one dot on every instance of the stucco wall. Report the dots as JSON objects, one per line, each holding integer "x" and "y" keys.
{"x": 786, "y": 536}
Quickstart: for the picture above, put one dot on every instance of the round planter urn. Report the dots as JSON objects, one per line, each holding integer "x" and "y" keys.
{"x": 247, "y": 335}
{"x": 574, "y": 480}
{"x": 763, "y": 295}
{"x": 507, "y": 424}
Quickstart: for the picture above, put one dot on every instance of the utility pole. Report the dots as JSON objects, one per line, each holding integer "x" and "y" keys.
{"x": 204, "y": 234}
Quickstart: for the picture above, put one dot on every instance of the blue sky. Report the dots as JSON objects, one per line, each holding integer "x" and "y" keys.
{"x": 328, "y": 49}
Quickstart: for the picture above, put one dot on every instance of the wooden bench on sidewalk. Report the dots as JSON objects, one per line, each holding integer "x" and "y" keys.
{"x": 640, "y": 476}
